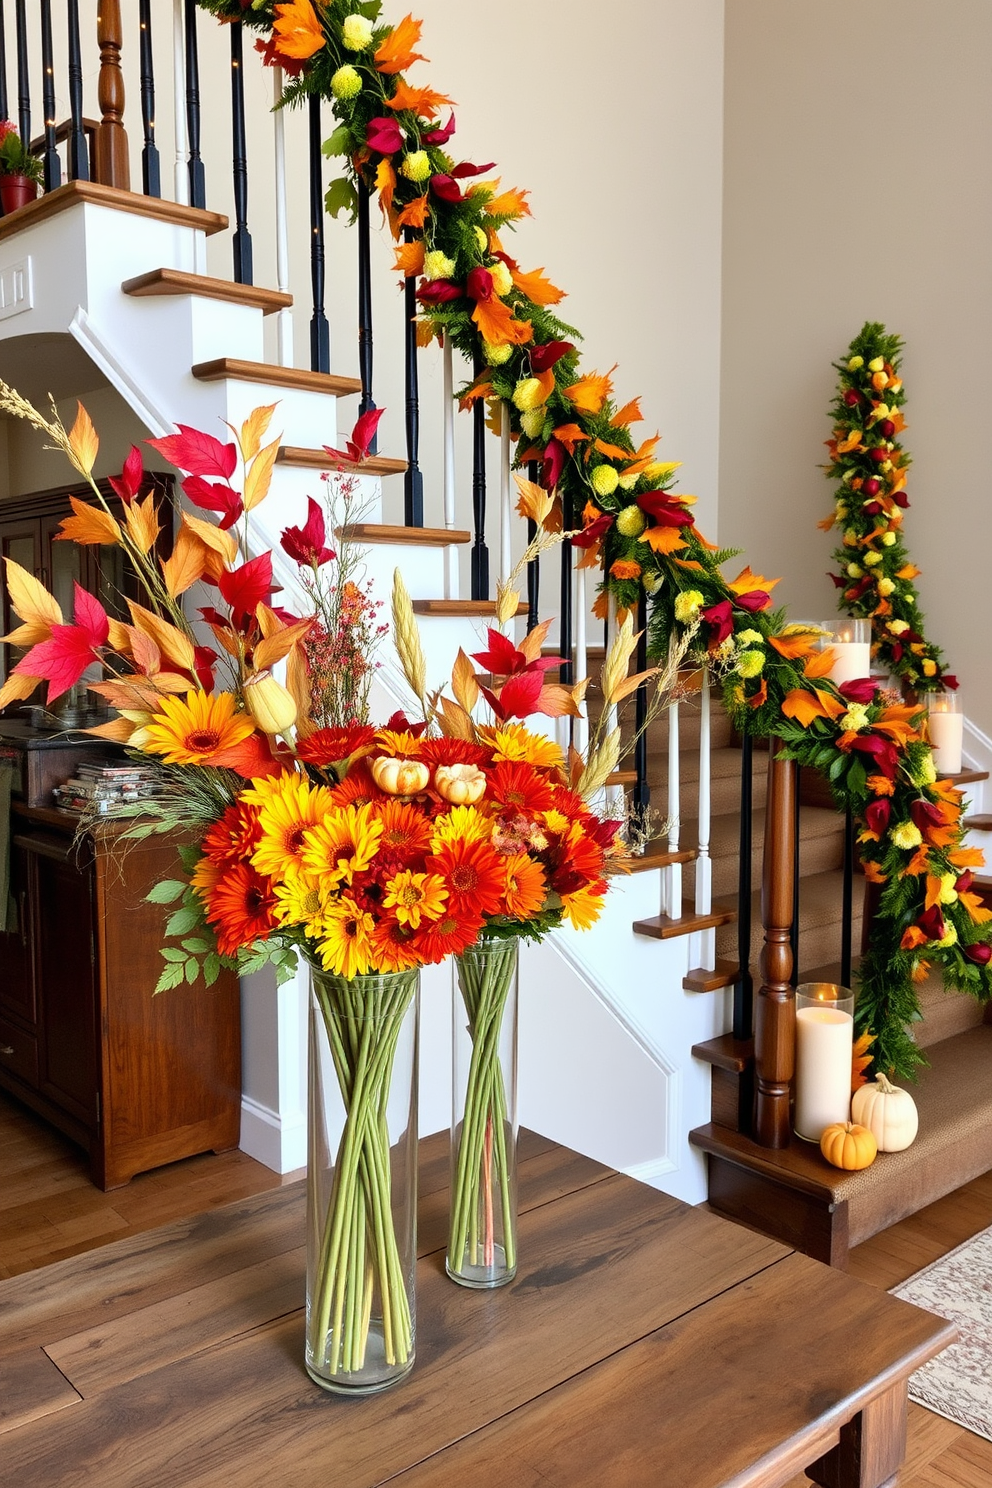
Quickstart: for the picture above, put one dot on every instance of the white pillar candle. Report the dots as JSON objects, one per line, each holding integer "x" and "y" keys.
{"x": 852, "y": 659}
{"x": 824, "y": 1050}
{"x": 946, "y": 732}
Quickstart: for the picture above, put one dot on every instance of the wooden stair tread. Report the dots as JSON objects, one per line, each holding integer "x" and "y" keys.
{"x": 622, "y": 777}
{"x": 275, "y": 376}
{"x": 383, "y": 532}
{"x": 662, "y": 927}
{"x": 954, "y": 1097}
{"x": 703, "y": 979}
{"x": 178, "y": 282}
{"x": 980, "y": 823}
{"x": 461, "y": 607}
{"x": 967, "y": 777}
{"x": 318, "y": 459}
{"x": 133, "y": 202}
{"x": 645, "y": 862}
{"x": 726, "y": 1053}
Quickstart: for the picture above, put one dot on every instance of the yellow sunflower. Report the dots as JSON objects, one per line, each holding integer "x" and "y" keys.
{"x": 285, "y": 816}
{"x": 345, "y": 945}
{"x": 342, "y": 844}
{"x": 191, "y": 730}
{"x": 461, "y": 824}
{"x": 300, "y": 900}
{"x": 412, "y": 896}
{"x": 513, "y": 742}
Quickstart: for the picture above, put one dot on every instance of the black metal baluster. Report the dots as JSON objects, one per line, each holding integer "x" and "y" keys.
{"x": 794, "y": 932}
{"x": 3, "y": 63}
{"x": 151, "y": 174}
{"x": 413, "y": 481}
{"x": 642, "y": 791}
{"x": 534, "y": 566}
{"x": 50, "y": 155}
{"x": 242, "y": 237}
{"x": 320, "y": 331}
{"x": 23, "y": 83}
{"x": 744, "y": 987}
{"x": 367, "y": 403}
{"x": 480, "y": 553}
{"x": 197, "y": 177}
{"x": 566, "y": 670}
{"x": 848, "y": 899}
{"x": 78, "y": 155}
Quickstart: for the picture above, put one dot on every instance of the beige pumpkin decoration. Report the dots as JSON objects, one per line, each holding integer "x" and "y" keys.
{"x": 400, "y": 777}
{"x": 460, "y": 785}
{"x": 889, "y": 1113}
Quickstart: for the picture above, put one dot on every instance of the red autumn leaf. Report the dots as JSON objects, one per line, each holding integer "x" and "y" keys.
{"x": 446, "y": 187}
{"x": 305, "y": 545}
{"x": 665, "y": 509}
{"x": 754, "y": 600}
{"x": 128, "y": 483}
{"x": 205, "y": 658}
{"x": 384, "y": 136}
{"x": 553, "y": 464}
{"x": 593, "y": 532}
{"x": 69, "y": 650}
{"x": 91, "y": 616}
{"x": 362, "y": 435}
{"x": 466, "y": 169}
{"x": 440, "y": 136}
{"x": 544, "y": 357}
{"x": 521, "y": 695}
{"x": 502, "y": 658}
{"x": 245, "y": 588}
{"x": 214, "y": 496}
{"x": 199, "y": 453}
{"x": 252, "y": 758}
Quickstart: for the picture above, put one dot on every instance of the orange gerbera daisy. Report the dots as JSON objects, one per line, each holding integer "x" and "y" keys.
{"x": 393, "y": 947}
{"x": 345, "y": 947}
{"x": 403, "y": 745}
{"x": 406, "y": 832}
{"x": 415, "y": 896}
{"x": 343, "y": 844}
{"x": 512, "y": 742}
{"x": 191, "y": 730}
{"x": 234, "y": 836}
{"x": 288, "y": 814}
{"x": 473, "y": 873}
{"x": 518, "y": 787}
{"x": 357, "y": 788}
{"x": 523, "y": 886}
{"x": 331, "y": 746}
{"x": 453, "y": 933}
{"x": 206, "y": 876}
{"x": 241, "y": 908}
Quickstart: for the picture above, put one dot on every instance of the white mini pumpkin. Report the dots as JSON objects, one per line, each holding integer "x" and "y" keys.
{"x": 400, "y": 777}
{"x": 889, "y": 1113}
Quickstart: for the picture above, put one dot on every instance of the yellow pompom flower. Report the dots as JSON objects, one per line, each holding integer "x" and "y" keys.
{"x": 948, "y": 893}
{"x": 629, "y": 480}
{"x": 356, "y": 32}
{"x": 855, "y": 719}
{"x": 497, "y": 355}
{"x": 885, "y": 587}
{"x": 346, "y": 82}
{"x": 438, "y": 265}
{"x": 906, "y": 835}
{"x": 898, "y": 627}
{"x": 604, "y": 480}
{"x": 751, "y": 663}
{"x": 929, "y": 667}
{"x": 528, "y": 394}
{"x": 532, "y": 422}
{"x": 872, "y": 559}
{"x": 876, "y": 364}
{"x": 855, "y": 363}
{"x": 688, "y": 605}
{"x": 949, "y": 939}
{"x": 854, "y": 570}
{"x": 631, "y": 521}
{"x": 750, "y": 637}
{"x": 501, "y": 277}
{"x": 416, "y": 166}
{"x": 481, "y": 238}
{"x": 888, "y": 539}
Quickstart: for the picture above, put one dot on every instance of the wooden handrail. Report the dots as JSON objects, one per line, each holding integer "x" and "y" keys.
{"x": 775, "y": 1014}
{"x": 110, "y": 166}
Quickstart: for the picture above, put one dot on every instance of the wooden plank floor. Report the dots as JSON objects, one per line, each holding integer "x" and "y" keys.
{"x": 49, "y": 1209}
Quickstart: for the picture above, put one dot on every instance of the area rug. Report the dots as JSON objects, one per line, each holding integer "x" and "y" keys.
{"x": 958, "y": 1383}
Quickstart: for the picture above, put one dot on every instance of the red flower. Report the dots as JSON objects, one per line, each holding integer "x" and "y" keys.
{"x": 362, "y": 436}
{"x": 467, "y": 169}
{"x": 305, "y": 545}
{"x": 440, "y": 136}
{"x": 931, "y": 922}
{"x": 128, "y": 483}
{"x": 665, "y": 509}
{"x": 719, "y": 618}
{"x": 859, "y": 690}
{"x": 981, "y": 953}
{"x": 446, "y": 187}
{"x": 877, "y": 815}
{"x": 754, "y": 600}
{"x": 544, "y": 357}
{"x": 553, "y": 465}
{"x": 926, "y": 816}
{"x": 593, "y": 532}
{"x": 438, "y": 291}
{"x": 384, "y": 136}
{"x": 333, "y": 746}
{"x": 519, "y": 787}
{"x": 479, "y": 285}
{"x": 901, "y": 499}
{"x": 398, "y": 723}
{"x": 885, "y": 755}
{"x": 950, "y": 681}
{"x": 454, "y": 752}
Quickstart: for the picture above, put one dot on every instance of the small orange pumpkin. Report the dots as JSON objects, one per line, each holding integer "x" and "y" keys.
{"x": 848, "y": 1146}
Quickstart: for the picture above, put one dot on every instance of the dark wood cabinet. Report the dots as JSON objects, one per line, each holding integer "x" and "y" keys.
{"x": 137, "y": 1080}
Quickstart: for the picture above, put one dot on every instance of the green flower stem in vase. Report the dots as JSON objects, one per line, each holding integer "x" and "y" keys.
{"x": 362, "y": 1180}
{"x": 482, "y": 1242}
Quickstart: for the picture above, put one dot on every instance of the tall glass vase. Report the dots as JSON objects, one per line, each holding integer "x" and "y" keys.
{"x": 482, "y": 1241}
{"x": 362, "y": 1180}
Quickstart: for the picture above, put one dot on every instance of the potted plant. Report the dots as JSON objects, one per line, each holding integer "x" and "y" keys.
{"x": 20, "y": 171}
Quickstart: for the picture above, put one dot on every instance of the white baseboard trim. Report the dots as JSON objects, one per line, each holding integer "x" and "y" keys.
{"x": 652, "y": 1172}
{"x": 273, "y": 1140}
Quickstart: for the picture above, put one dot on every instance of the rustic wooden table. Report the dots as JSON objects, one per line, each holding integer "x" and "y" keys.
{"x": 642, "y": 1343}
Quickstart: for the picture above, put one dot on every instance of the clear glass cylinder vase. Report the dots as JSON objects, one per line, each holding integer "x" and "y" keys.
{"x": 482, "y": 1237}
{"x": 362, "y": 1180}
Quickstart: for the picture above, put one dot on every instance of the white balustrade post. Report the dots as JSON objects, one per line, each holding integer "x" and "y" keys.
{"x": 704, "y": 865}
{"x": 581, "y": 734}
{"x": 451, "y": 551}
{"x": 284, "y": 318}
{"x": 181, "y": 169}
{"x": 673, "y": 871}
{"x": 505, "y": 507}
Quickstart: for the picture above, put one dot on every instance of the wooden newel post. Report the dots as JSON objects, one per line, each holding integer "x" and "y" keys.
{"x": 775, "y": 1014}
{"x": 110, "y": 154}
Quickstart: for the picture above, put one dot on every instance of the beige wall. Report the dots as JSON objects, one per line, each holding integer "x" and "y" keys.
{"x": 857, "y": 141}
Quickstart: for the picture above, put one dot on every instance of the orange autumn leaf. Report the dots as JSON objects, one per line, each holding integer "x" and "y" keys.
{"x": 803, "y": 643}
{"x": 298, "y": 31}
{"x": 385, "y": 184}
{"x": 601, "y": 608}
{"x": 410, "y": 258}
{"x": 535, "y": 502}
{"x": 912, "y": 938}
{"x": 186, "y": 564}
{"x": 946, "y": 790}
{"x": 975, "y": 908}
{"x": 746, "y": 581}
{"x": 415, "y": 214}
{"x": 496, "y": 324}
{"x": 881, "y": 785}
{"x": 918, "y": 863}
{"x": 220, "y": 542}
{"x": 143, "y": 524}
{"x": 83, "y": 441}
{"x": 908, "y": 571}
{"x": 663, "y": 539}
{"x": 395, "y": 52}
{"x": 426, "y": 331}
{"x": 851, "y": 442}
{"x": 874, "y": 874}
{"x": 88, "y": 525}
{"x": 254, "y": 429}
{"x": 31, "y": 601}
{"x": 611, "y": 451}
{"x": 569, "y": 435}
{"x": 422, "y": 101}
{"x": 704, "y": 542}
{"x": 509, "y": 204}
{"x": 820, "y": 664}
{"x": 590, "y": 393}
{"x": 630, "y": 413}
{"x": 967, "y": 857}
{"x": 760, "y": 697}
{"x": 689, "y": 563}
{"x": 920, "y": 971}
{"x": 259, "y": 476}
{"x": 481, "y": 388}
{"x": 535, "y": 285}
{"x": 860, "y": 1060}
{"x": 826, "y": 524}
{"x": 934, "y": 888}
{"x": 804, "y": 706}
{"x": 17, "y": 687}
